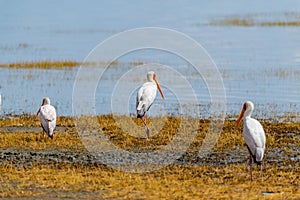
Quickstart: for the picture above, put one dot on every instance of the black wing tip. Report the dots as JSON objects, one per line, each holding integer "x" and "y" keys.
{"x": 257, "y": 162}
{"x": 254, "y": 157}
{"x": 140, "y": 115}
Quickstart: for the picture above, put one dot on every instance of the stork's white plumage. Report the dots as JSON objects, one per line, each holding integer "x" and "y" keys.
{"x": 47, "y": 114}
{"x": 145, "y": 98}
{"x": 254, "y": 135}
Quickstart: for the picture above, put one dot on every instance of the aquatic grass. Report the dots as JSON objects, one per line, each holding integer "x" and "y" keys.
{"x": 291, "y": 19}
{"x": 251, "y": 23}
{"x": 234, "y": 22}
{"x": 62, "y": 64}
{"x": 19, "y": 46}
{"x": 52, "y": 64}
{"x": 280, "y": 23}
{"x": 47, "y": 64}
{"x": 286, "y": 73}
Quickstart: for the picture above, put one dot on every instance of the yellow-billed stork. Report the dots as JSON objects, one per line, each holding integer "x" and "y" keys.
{"x": 47, "y": 114}
{"x": 254, "y": 135}
{"x": 145, "y": 98}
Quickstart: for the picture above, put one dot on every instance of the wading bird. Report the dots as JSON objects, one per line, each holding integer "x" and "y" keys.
{"x": 47, "y": 115}
{"x": 145, "y": 98}
{"x": 254, "y": 136}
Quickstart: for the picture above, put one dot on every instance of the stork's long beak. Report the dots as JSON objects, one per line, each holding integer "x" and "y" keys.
{"x": 159, "y": 89}
{"x": 240, "y": 117}
{"x": 37, "y": 113}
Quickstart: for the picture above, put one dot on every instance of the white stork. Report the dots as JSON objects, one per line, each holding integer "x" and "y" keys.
{"x": 145, "y": 98}
{"x": 47, "y": 115}
{"x": 254, "y": 136}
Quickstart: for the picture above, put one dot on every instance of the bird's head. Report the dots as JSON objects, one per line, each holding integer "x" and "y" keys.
{"x": 151, "y": 76}
{"x": 46, "y": 101}
{"x": 246, "y": 111}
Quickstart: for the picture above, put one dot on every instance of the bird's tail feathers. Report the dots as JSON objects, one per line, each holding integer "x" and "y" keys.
{"x": 140, "y": 105}
{"x": 51, "y": 130}
{"x": 140, "y": 109}
{"x": 259, "y": 154}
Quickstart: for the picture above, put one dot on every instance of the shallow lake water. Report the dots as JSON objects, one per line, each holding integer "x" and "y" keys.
{"x": 258, "y": 63}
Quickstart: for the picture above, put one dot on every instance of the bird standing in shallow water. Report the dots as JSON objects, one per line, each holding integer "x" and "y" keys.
{"x": 254, "y": 136}
{"x": 145, "y": 98}
{"x": 47, "y": 114}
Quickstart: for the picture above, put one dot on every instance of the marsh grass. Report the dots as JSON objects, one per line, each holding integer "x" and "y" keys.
{"x": 125, "y": 141}
{"x": 260, "y": 19}
{"x": 172, "y": 182}
{"x": 63, "y": 64}
{"x": 251, "y": 22}
{"x": 94, "y": 180}
{"x": 47, "y": 64}
{"x": 67, "y": 140}
{"x": 32, "y": 120}
{"x": 278, "y": 134}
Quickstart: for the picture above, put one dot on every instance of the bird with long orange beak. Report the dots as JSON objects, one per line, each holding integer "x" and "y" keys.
{"x": 47, "y": 114}
{"x": 254, "y": 136}
{"x": 145, "y": 98}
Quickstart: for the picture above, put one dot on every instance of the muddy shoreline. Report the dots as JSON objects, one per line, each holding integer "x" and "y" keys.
{"x": 283, "y": 140}
{"x": 274, "y": 158}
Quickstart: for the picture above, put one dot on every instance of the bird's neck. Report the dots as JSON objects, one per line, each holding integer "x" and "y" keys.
{"x": 248, "y": 114}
